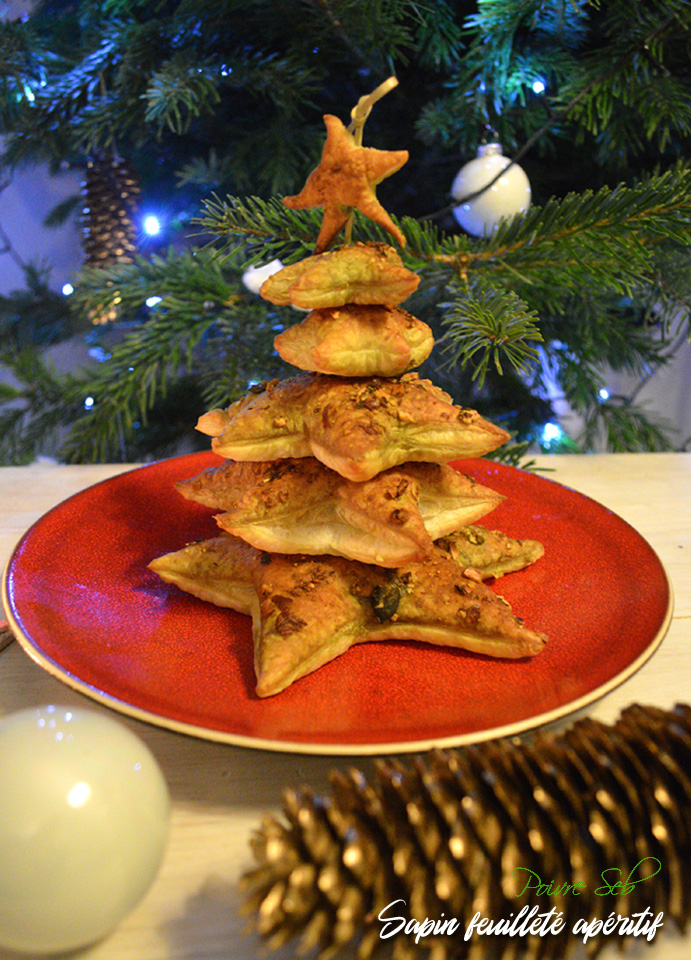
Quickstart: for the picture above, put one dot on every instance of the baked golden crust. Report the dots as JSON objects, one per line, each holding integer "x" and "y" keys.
{"x": 361, "y": 273}
{"x": 358, "y": 427}
{"x": 301, "y": 506}
{"x": 490, "y": 552}
{"x": 308, "y": 610}
{"x": 357, "y": 341}
{"x": 345, "y": 178}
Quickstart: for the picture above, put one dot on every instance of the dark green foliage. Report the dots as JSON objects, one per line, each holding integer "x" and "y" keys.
{"x": 219, "y": 104}
{"x": 34, "y": 413}
{"x": 206, "y": 329}
{"x": 35, "y": 314}
{"x": 485, "y": 323}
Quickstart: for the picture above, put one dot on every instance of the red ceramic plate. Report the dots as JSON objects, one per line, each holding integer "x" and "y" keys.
{"x": 84, "y": 605}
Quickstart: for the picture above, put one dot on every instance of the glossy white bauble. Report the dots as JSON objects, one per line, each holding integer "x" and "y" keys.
{"x": 84, "y": 813}
{"x": 255, "y": 275}
{"x": 509, "y": 195}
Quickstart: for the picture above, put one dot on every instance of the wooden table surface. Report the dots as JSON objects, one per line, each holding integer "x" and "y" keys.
{"x": 220, "y": 792}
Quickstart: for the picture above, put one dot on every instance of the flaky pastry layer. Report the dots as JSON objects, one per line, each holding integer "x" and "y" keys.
{"x": 357, "y": 341}
{"x": 308, "y": 610}
{"x": 360, "y": 273}
{"x": 301, "y": 506}
{"x": 357, "y": 427}
{"x": 347, "y": 177}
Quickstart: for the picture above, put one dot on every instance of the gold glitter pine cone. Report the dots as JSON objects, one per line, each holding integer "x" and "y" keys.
{"x": 111, "y": 196}
{"x": 460, "y": 833}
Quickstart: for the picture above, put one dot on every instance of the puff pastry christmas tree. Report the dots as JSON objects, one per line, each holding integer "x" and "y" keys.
{"x": 336, "y": 482}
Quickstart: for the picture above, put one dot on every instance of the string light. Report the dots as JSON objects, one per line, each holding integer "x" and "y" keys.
{"x": 67, "y": 289}
{"x": 552, "y": 435}
{"x": 99, "y": 354}
{"x": 539, "y": 86}
{"x": 152, "y": 225}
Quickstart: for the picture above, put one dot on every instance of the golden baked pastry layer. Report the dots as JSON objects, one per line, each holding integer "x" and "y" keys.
{"x": 358, "y": 427}
{"x": 357, "y": 341}
{"x": 490, "y": 552}
{"x": 346, "y": 177}
{"x": 359, "y": 273}
{"x": 301, "y": 506}
{"x": 307, "y": 611}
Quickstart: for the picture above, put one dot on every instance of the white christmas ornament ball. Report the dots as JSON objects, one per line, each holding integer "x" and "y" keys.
{"x": 84, "y": 813}
{"x": 255, "y": 275}
{"x": 510, "y": 194}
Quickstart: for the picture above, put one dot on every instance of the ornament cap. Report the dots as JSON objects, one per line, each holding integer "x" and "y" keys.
{"x": 491, "y": 149}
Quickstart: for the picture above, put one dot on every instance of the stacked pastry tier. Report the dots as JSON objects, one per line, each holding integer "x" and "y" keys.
{"x": 342, "y": 520}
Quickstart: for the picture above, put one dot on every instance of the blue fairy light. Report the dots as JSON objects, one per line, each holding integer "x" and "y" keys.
{"x": 152, "y": 225}
{"x": 99, "y": 354}
{"x": 551, "y": 433}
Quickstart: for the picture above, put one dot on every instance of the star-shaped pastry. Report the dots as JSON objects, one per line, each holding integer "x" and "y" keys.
{"x": 301, "y": 506}
{"x": 307, "y": 611}
{"x": 357, "y": 341}
{"x": 491, "y": 553}
{"x": 361, "y": 273}
{"x": 358, "y": 427}
{"x": 346, "y": 177}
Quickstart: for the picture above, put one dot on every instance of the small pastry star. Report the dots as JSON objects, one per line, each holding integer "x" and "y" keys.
{"x": 346, "y": 177}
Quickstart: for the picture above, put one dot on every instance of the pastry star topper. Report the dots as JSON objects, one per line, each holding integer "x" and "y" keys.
{"x": 348, "y": 174}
